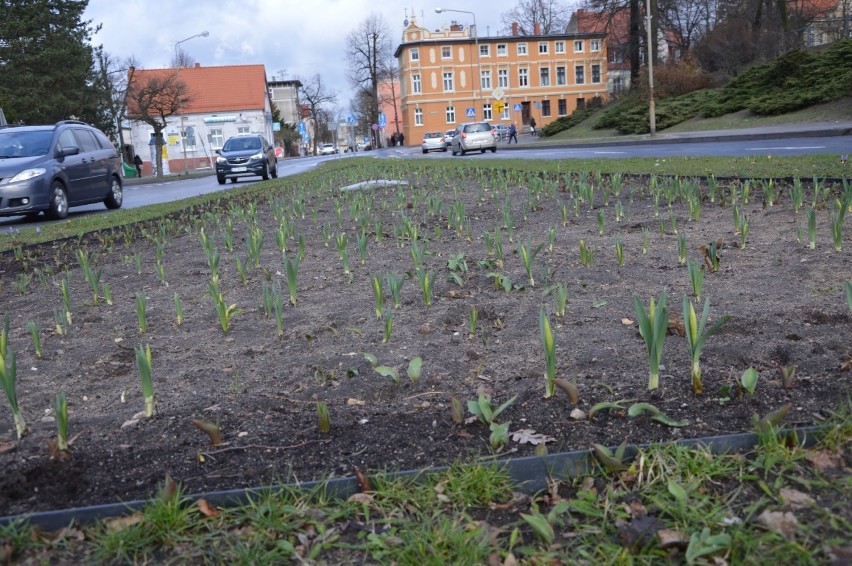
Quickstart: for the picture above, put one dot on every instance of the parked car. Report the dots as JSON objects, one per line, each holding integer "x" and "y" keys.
{"x": 500, "y": 131}
{"x": 448, "y": 137}
{"x": 328, "y": 149}
{"x": 472, "y": 136}
{"x": 246, "y": 155}
{"x": 432, "y": 141}
{"x": 51, "y": 168}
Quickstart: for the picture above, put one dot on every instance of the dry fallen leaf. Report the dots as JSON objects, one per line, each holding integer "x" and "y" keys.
{"x": 782, "y": 523}
{"x": 796, "y": 499}
{"x": 670, "y": 538}
{"x": 365, "y": 498}
{"x": 823, "y": 460}
{"x": 529, "y": 436}
{"x": 626, "y": 322}
{"x": 6, "y": 446}
{"x": 357, "y": 402}
{"x": 206, "y": 509}
{"x": 118, "y": 524}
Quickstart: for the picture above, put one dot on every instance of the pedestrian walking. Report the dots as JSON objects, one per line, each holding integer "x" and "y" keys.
{"x": 513, "y": 133}
{"x": 532, "y": 126}
{"x": 401, "y": 139}
{"x": 137, "y": 161}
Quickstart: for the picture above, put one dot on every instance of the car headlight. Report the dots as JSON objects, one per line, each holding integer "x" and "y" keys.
{"x": 221, "y": 160}
{"x": 258, "y": 155}
{"x": 28, "y": 174}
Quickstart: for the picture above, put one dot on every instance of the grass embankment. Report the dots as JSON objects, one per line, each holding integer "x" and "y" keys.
{"x": 778, "y": 504}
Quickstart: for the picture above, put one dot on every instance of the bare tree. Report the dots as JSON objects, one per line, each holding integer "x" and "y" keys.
{"x": 686, "y": 21}
{"x": 368, "y": 49}
{"x": 182, "y": 58}
{"x": 550, "y": 15}
{"x": 318, "y": 97}
{"x": 610, "y": 12}
{"x": 152, "y": 99}
{"x": 390, "y": 78}
{"x": 115, "y": 76}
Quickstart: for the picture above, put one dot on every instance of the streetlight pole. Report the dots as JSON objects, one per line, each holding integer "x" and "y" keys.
{"x": 177, "y": 72}
{"x": 478, "y": 54}
{"x": 651, "y": 110}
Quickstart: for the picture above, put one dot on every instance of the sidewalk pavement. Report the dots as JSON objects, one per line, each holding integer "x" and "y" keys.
{"x": 802, "y": 130}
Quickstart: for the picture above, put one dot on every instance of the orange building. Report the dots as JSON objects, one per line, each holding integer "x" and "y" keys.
{"x": 451, "y": 76}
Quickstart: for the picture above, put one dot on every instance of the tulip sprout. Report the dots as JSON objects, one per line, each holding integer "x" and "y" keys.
{"x": 549, "y": 353}
{"x": 652, "y": 327}
{"x": 696, "y": 335}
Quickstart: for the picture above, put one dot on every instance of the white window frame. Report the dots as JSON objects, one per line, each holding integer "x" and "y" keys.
{"x": 242, "y": 130}
{"x": 446, "y": 52}
{"x": 448, "y": 81}
{"x": 414, "y": 54}
{"x": 502, "y": 50}
{"x": 487, "y": 111}
{"x": 416, "y": 84}
{"x": 503, "y": 78}
{"x": 578, "y": 46}
{"x": 596, "y": 74}
{"x": 579, "y": 75}
{"x": 505, "y": 114}
{"x": 523, "y": 77}
{"x": 485, "y": 50}
{"x": 418, "y": 116}
{"x": 559, "y": 47}
{"x": 451, "y": 114}
{"x": 544, "y": 76}
{"x": 543, "y": 47}
{"x": 215, "y": 138}
{"x": 595, "y": 45}
{"x": 485, "y": 79}
{"x": 522, "y": 49}
{"x": 561, "y": 80}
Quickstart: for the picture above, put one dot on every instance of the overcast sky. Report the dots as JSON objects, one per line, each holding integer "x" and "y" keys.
{"x": 298, "y": 38}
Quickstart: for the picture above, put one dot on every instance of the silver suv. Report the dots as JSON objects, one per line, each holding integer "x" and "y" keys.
{"x": 472, "y": 136}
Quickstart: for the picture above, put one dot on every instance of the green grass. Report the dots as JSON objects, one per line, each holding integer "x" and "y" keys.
{"x": 470, "y": 514}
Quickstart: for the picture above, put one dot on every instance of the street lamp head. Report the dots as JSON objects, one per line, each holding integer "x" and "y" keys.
{"x": 438, "y": 10}
{"x": 204, "y": 34}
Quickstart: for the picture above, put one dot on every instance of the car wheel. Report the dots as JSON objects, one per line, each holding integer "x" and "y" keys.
{"x": 445, "y": 149}
{"x": 116, "y": 195}
{"x": 482, "y": 150}
{"x": 274, "y": 170}
{"x": 454, "y": 152}
{"x": 265, "y": 174}
{"x": 58, "y": 206}
{"x": 462, "y": 150}
{"x": 234, "y": 180}
{"x": 494, "y": 149}
{"x": 425, "y": 151}
{"x": 221, "y": 179}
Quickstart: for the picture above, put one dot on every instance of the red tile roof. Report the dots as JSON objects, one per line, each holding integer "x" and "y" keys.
{"x": 218, "y": 89}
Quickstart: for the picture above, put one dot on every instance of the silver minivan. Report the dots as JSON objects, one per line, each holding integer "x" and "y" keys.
{"x": 473, "y": 136}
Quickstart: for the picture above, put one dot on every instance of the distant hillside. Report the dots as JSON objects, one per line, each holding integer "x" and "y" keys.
{"x": 796, "y": 80}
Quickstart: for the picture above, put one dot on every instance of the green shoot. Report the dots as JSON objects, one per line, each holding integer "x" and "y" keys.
{"x": 473, "y": 319}
{"x": 484, "y": 411}
{"x": 681, "y": 249}
{"x": 141, "y": 306}
{"x": 323, "y": 417}
{"x": 65, "y": 290}
{"x": 696, "y": 277}
{"x": 561, "y": 300}
{"x": 415, "y": 366}
{"x": 811, "y": 213}
{"x": 143, "y": 364}
{"x": 696, "y": 335}
{"x": 748, "y": 380}
{"x": 107, "y": 293}
{"x": 395, "y": 282}
{"x": 837, "y": 230}
{"x": 619, "y": 252}
{"x": 601, "y": 222}
{"x": 61, "y": 409}
{"x": 60, "y": 319}
{"x": 178, "y": 310}
{"x": 223, "y": 311}
{"x": 36, "y": 337}
{"x": 652, "y": 327}
{"x": 8, "y": 376}
{"x": 426, "y": 280}
{"x": 340, "y": 240}
{"x": 388, "y": 325}
{"x": 378, "y": 296}
{"x": 292, "y": 270}
{"x": 847, "y": 286}
{"x": 549, "y": 344}
{"x": 645, "y": 236}
{"x": 528, "y": 253}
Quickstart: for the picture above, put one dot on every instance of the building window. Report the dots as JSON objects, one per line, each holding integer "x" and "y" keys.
{"x": 596, "y": 45}
{"x": 415, "y": 83}
{"x": 579, "y": 75}
{"x": 415, "y": 53}
{"x": 505, "y": 114}
{"x": 578, "y": 46}
{"x": 215, "y": 138}
{"x": 544, "y": 76}
{"x": 596, "y": 73}
{"x": 523, "y": 77}
{"x": 615, "y": 57}
{"x": 451, "y": 114}
{"x": 560, "y": 76}
{"x": 485, "y": 79}
{"x": 446, "y": 52}
{"x": 243, "y": 130}
{"x": 485, "y": 50}
{"x": 543, "y": 48}
{"x": 559, "y": 47}
{"x": 503, "y": 78}
{"x": 448, "y": 82}
{"x": 502, "y": 50}
{"x": 562, "y": 107}
{"x": 418, "y": 116}
{"x": 487, "y": 112}
{"x": 522, "y": 49}
{"x": 545, "y": 108}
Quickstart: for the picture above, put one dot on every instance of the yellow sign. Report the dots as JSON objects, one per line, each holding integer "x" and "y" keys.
{"x": 499, "y": 106}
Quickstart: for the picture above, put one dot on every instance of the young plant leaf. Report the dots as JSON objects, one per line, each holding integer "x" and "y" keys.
{"x": 606, "y": 405}
{"x": 386, "y": 371}
{"x": 749, "y": 380}
{"x": 374, "y": 361}
{"x": 414, "y": 367}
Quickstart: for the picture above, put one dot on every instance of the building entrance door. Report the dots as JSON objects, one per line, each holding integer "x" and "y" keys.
{"x": 525, "y": 113}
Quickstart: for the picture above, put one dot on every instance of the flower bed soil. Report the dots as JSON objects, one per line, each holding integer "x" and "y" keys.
{"x": 786, "y": 302}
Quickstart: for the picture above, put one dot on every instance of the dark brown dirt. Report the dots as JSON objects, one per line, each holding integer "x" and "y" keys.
{"x": 786, "y": 301}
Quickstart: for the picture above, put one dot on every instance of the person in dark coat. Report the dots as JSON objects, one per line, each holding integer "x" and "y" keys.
{"x": 137, "y": 161}
{"x": 513, "y": 133}
{"x": 401, "y": 139}
{"x": 532, "y": 126}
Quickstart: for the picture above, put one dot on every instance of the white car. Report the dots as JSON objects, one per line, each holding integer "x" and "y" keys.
{"x": 328, "y": 149}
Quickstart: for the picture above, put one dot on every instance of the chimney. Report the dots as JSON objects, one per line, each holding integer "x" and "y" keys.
{"x": 198, "y": 65}
{"x": 536, "y": 28}
{"x": 515, "y": 29}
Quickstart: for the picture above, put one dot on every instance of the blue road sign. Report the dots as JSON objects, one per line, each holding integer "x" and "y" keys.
{"x": 302, "y": 129}
{"x": 470, "y": 112}
{"x": 351, "y": 119}
{"x": 517, "y": 107}
{"x": 382, "y": 121}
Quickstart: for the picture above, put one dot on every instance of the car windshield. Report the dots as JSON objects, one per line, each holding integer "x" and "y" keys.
{"x": 432, "y": 135}
{"x": 477, "y": 128}
{"x": 24, "y": 144}
{"x": 241, "y": 144}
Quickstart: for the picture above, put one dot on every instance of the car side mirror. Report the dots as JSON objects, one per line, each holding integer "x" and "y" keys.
{"x": 70, "y": 150}
{"x": 218, "y": 152}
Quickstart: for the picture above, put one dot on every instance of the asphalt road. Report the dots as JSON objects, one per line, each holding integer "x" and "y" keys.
{"x": 780, "y": 144}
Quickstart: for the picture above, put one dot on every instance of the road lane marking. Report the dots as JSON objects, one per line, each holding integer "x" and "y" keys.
{"x": 787, "y": 148}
